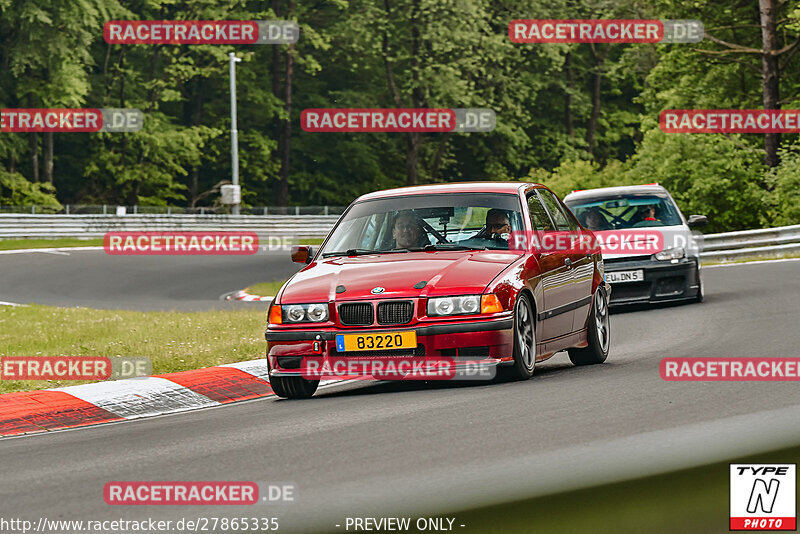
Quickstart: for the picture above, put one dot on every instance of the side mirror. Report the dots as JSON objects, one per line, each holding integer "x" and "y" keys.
{"x": 302, "y": 253}
{"x": 697, "y": 220}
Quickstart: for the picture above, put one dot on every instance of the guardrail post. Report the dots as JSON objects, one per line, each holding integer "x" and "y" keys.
{"x": 326, "y": 210}
{"x": 202, "y": 211}
{"x": 135, "y": 209}
{"x": 67, "y": 209}
{"x": 105, "y": 209}
{"x": 169, "y": 210}
{"x": 297, "y": 210}
{"x": 33, "y": 210}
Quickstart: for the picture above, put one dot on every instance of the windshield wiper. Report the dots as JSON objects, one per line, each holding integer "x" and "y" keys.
{"x": 452, "y": 246}
{"x": 361, "y": 252}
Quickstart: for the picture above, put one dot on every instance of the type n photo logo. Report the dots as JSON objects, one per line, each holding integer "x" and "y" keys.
{"x": 763, "y": 497}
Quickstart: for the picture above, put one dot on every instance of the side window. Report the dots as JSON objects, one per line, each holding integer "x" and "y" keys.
{"x": 562, "y": 221}
{"x": 539, "y": 218}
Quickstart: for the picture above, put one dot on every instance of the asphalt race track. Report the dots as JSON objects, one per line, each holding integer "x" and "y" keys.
{"x": 95, "y": 279}
{"x": 392, "y": 447}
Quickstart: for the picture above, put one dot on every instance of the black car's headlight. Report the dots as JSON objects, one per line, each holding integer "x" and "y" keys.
{"x": 305, "y": 313}
{"x": 675, "y": 253}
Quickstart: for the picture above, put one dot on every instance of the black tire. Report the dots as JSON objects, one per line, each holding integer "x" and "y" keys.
{"x": 599, "y": 333}
{"x": 293, "y": 387}
{"x": 700, "y": 291}
{"x": 524, "y": 342}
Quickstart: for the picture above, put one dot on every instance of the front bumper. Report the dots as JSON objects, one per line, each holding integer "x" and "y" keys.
{"x": 664, "y": 281}
{"x": 488, "y": 342}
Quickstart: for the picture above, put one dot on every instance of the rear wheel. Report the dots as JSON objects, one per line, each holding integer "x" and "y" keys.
{"x": 524, "y": 342}
{"x": 599, "y": 333}
{"x": 293, "y": 387}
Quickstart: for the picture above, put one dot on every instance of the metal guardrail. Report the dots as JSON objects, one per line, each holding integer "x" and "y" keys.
{"x": 767, "y": 242}
{"x": 53, "y": 226}
{"x": 729, "y": 246}
{"x": 111, "y": 209}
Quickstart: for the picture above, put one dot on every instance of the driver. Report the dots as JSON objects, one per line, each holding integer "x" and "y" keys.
{"x": 408, "y": 231}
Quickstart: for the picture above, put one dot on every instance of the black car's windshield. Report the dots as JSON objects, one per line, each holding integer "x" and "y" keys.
{"x": 442, "y": 221}
{"x": 625, "y": 211}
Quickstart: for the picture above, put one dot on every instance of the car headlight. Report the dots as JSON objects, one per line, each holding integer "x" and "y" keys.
{"x": 305, "y": 313}
{"x": 464, "y": 305}
{"x": 675, "y": 253}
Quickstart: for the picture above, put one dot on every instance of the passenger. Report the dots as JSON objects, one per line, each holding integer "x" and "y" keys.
{"x": 647, "y": 217}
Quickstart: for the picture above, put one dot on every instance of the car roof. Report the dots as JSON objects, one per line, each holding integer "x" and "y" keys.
{"x": 457, "y": 187}
{"x": 614, "y": 191}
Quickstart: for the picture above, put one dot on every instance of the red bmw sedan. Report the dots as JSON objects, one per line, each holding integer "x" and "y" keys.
{"x": 438, "y": 275}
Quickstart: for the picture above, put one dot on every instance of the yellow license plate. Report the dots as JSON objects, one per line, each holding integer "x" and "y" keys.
{"x": 376, "y": 341}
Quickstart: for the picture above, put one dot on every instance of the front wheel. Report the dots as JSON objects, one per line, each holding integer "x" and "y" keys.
{"x": 599, "y": 334}
{"x": 700, "y": 291}
{"x": 293, "y": 387}
{"x": 524, "y": 342}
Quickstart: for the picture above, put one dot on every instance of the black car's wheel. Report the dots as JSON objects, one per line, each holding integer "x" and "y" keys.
{"x": 700, "y": 291}
{"x": 599, "y": 333}
{"x": 524, "y": 342}
{"x": 293, "y": 387}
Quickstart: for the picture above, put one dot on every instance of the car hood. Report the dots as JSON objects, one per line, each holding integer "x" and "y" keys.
{"x": 673, "y": 236}
{"x": 445, "y": 273}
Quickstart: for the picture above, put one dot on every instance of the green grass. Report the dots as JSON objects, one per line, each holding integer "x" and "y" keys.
{"x": 690, "y": 501}
{"x": 18, "y": 244}
{"x": 265, "y": 289}
{"x": 174, "y": 341}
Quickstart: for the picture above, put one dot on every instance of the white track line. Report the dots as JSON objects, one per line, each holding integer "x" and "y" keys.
{"x": 47, "y": 250}
{"x": 779, "y": 260}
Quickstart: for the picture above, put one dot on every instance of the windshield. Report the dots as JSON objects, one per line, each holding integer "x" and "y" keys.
{"x": 443, "y": 221}
{"x": 625, "y": 211}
